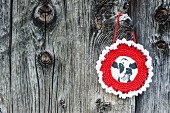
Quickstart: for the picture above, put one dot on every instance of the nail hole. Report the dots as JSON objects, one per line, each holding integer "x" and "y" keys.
{"x": 161, "y": 15}
{"x": 161, "y": 45}
{"x": 45, "y": 58}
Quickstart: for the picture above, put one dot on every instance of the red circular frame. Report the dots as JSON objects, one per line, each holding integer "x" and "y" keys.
{"x": 137, "y": 56}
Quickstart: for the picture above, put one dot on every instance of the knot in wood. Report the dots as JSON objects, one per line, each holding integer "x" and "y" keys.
{"x": 45, "y": 58}
{"x": 44, "y": 13}
{"x": 63, "y": 104}
{"x": 161, "y": 45}
{"x": 98, "y": 101}
{"x": 161, "y": 15}
{"x": 102, "y": 106}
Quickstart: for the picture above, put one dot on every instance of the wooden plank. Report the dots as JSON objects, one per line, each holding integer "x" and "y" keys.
{"x": 5, "y": 38}
{"x": 157, "y": 98}
{"x": 72, "y": 76}
{"x": 101, "y": 34}
{"x": 32, "y": 83}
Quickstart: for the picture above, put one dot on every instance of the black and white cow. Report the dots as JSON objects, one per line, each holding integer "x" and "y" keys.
{"x": 124, "y": 69}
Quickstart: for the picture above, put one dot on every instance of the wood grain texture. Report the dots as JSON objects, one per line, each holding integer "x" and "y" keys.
{"x": 157, "y": 98}
{"x": 75, "y": 44}
{"x": 71, "y": 78}
{"x": 5, "y": 77}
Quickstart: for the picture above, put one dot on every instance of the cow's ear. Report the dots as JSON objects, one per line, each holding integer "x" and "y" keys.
{"x": 115, "y": 65}
{"x": 133, "y": 66}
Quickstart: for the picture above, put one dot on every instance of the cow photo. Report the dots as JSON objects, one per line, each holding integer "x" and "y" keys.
{"x": 124, "y": 69}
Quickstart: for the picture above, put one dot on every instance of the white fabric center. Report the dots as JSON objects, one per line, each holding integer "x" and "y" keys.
{"x": 124, "y": 69}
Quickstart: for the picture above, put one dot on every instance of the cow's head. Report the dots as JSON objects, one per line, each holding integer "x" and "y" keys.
{"x": 124, "y": 69}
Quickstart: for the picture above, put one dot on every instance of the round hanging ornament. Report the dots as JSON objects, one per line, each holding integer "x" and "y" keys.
{"x": 124, "y": 68}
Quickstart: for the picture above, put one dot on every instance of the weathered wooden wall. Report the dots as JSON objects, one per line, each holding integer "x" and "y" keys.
{"x": 70, "y": 83}
{"x": 149, "y": 32}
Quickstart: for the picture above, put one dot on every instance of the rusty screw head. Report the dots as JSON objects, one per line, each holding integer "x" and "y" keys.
{"x": 45, "y": 58}
{"x": 44, "y": 13}
{"x": 161, "y": 15}
{"x": 161, "y": 45}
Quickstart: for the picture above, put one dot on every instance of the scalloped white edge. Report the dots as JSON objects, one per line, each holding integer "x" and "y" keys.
{"x": 148, "y": 63}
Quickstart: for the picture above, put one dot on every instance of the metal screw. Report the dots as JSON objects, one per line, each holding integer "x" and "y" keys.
{"x": 45, "y": 58}
{"x": 161, "y": 15}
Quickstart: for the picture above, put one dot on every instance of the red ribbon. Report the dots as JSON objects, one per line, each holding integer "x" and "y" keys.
{"x": 117, "y": 26}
